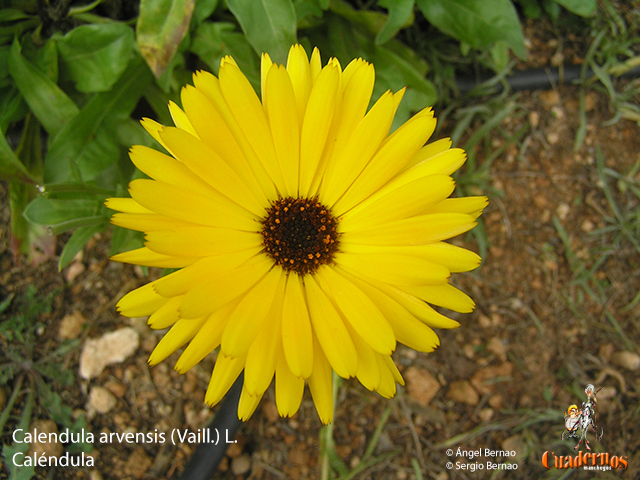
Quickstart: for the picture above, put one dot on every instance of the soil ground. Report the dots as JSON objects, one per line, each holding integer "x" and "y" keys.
{"x": 550, "y": 319}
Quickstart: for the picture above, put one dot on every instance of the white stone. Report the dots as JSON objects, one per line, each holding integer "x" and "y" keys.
{"x": 112, "y": 347}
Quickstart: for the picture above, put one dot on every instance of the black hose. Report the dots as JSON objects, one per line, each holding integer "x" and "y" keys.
{"x": 205, "y": 460}
{"x": 537, "y": 78}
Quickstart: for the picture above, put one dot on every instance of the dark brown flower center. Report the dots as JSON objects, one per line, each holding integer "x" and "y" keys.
{"x": 299, "y": 234}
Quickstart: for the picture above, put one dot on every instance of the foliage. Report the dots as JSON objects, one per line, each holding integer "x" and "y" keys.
{"x": 20, "y": 326}
{"x": 74, "y": 80}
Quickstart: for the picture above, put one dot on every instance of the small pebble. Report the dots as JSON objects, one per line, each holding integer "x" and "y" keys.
{"x": 102, "y": 399}
{"x": 49, "y": 449}
{"x": 563, "y": 211}
{"x": 626, "y": 359}
{"x": 462, "y": 391}
{"x": 515, "y": 442}
{"x": 486, "y": 414}
{"x": 75, "y": 269}
{"x": 421, "y": 385}
{"x": 241, "y": 465}
{"x": 71, "y": 325}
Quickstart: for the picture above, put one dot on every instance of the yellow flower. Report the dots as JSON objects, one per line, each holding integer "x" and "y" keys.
{"x": 308, "y": 239}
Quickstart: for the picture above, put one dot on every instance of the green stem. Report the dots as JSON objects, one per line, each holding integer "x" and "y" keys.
{"x": 14, "y": 396}
{"x": 327, "y": 446}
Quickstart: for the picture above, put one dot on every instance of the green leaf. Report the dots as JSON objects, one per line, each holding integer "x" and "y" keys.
{"x": 12, "y": 14}
{"x": 77, "y": 241}
{"x": 44, "y": 57}
{"x": 15, "y": 472}
{"x": 87, "y": 131}
{"x": 400, "y": 15}
{"x": 215, "y": 40}
{"x": 124, "y": 240}
{"x": 11, "y": 168}
{"x": 204, "y": 9}
{"x": 270, "y": 25}
{"x": 96, "y": 55}
{"x": 477, "y": 22}
{"x": 161, "y": 26}
{"x": 55, "y": 213}
{"x": 552, "y": 9}
{"x": 531, "y": 8}
{"x": 5, "y": 79}
{"x": 365, "y": 20}
{"x": 47, "y": 101}
{"x": 305, "y": 8}
{"x": 584, "y": 8}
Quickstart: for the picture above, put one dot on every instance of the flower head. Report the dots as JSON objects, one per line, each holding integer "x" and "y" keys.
{"x": 308, "y": 239}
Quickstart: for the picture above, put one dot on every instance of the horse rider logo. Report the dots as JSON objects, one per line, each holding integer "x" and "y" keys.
{"x": 577, "y": 422}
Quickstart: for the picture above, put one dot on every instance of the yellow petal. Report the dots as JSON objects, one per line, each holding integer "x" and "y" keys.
{"x": 153, "y": 128}
{"x": 368, "y": 372}
{"x": 166, "y": 315}
{"x": 315, "y": 64}
{"x": 247, "y": 404}
{"x": 300, "y": 74}
{"x": 140, "y": 302}
{"x": 470, "y": 205}
{"x": 207, "y": 339}
{"x": 149, "y": 258}
{"x": 443, "y": 164}
{"x": 167, "y": 169}
{"x": 453, "y": 258}
{"x": 316, "y": 124}
{"x": 180, "y": 282}
{"x": 248, "y": 317}
{"x": 390, "y": 158}
{"x": 394, "y": 370}
{"x": 263, "y": 353}
{"x": 394, "y": 268}
{"x": 359, "y": 310}
{"x": 214, "y": 132}
{"x": 161, "y": 197}
{"x": 297, "y": 342}
{"x": 210, "y": 87}
{"x": 415, "y": 306}
{"x": 410, "y": 199}
{"x": 201, "y": 241}
{"x": 180, "y": 119}
{"x": 265, "y": 66}
{"x": 225, "y": 372}
{"x": 289, "y": 389}
{"x": 249, "y": 113}
{"x": 210, "y": 166}
{"x": 321, "y": 385}
{"x": 430, "y": 150}
{"x": 283, "y": 120}
{"x": 222, "y": 286}
{"x": 147, "y": 222}
{"x": 126, "y": 205}
{"x": 330, "y": 331}
{"x": 180, "y": 333}
{"x": 347, "y": 163}
{"x": 351, "y": 102}
{"x": 415, "y": 230}
{"x": 358, "y": 78}
{"x": 407, "y": 329}
{"x": 387, "y": 386}
{"x": 446, "y": 296}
